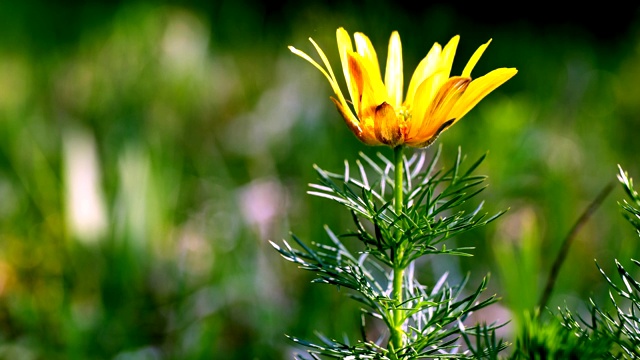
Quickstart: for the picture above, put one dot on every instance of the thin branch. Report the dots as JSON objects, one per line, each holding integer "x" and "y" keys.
{"x": 566, "y": 244}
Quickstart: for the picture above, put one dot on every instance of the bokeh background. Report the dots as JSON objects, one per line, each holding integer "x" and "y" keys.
{"x": 149, "y": 151}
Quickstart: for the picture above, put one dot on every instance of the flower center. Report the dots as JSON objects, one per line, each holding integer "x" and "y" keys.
{"x": 404, "y": 114}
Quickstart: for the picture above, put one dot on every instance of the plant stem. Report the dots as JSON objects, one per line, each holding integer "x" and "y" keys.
{"x": 397, "y": 341}
{"x": 399, "y": 164}
{"x": 566, "y": 244}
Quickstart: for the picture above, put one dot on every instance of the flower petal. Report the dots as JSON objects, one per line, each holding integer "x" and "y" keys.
{"x": 368, "y": 53}
{"x": 370, "y": 91}
{"x": 344, "y": 47}
{"x": 474, "y": 59}
{"x": 393, "y": 76}
{"x": 327, "y": 73}
{"x": 448, "y": 53}
{"x": 314, "y": 63}
{"x": 387, "y": 126}
{"x": 363, "y": 133}
{"x": 425, "y": 69}
{"x": 423, "y": 97}
{"x": 481, "y": 87}
{"x": 439, "y": 112}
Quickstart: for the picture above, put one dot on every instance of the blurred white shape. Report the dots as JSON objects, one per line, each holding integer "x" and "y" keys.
{"x": 262, "y": 202}
{"x": 184, "y": 43}
{"x": 84, "y": 200}
{"x": 133, "y": 210}
{"x": 562, "y": 152}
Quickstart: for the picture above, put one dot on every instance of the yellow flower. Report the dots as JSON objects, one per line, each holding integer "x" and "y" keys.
{"x": 434, "y": 100}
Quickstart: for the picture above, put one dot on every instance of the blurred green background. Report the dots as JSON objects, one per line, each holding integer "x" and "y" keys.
{"x": 148, "y": 151}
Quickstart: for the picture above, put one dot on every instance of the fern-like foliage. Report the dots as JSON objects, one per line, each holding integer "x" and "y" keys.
{"x": 631, "y": 206}
{"x": 434, "y": 319}
{"x": 432, "y": 212}
{"x": 611, "y": 332}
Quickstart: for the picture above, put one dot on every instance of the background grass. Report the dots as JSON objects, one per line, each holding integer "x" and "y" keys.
{"x": 148, "y": 151}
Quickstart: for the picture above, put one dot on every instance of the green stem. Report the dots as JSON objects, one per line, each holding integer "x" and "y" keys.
{"x": 399, "y": 163}
{"x": 397, "y": 341}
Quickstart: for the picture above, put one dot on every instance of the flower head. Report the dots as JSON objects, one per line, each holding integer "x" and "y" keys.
{"x": 435, "y": 100}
